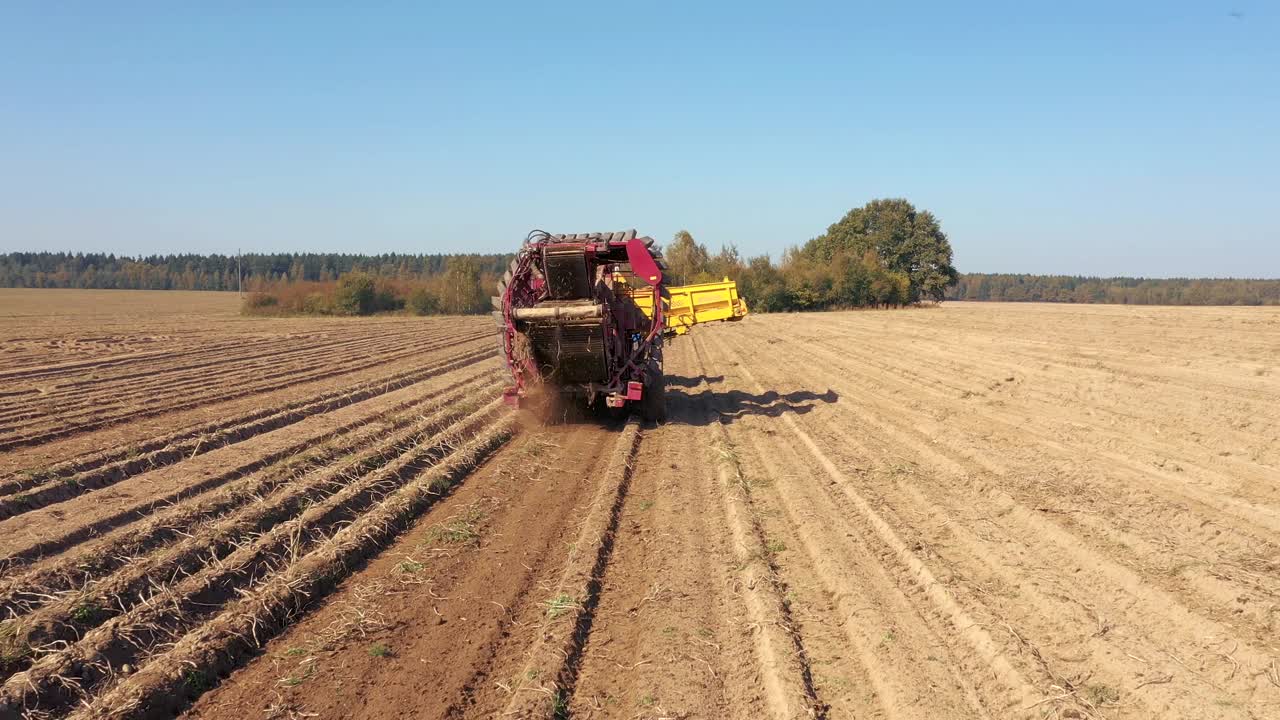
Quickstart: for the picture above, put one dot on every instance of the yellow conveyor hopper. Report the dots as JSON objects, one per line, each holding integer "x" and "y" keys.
{"x": 689, "y": 305}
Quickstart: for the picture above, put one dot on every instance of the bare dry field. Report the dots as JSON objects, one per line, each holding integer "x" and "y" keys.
{"x": 982, "y": 511}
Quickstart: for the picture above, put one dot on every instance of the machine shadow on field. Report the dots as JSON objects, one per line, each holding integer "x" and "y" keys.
{"x": 686, "y": 407}
{"x": 674, "y": 381}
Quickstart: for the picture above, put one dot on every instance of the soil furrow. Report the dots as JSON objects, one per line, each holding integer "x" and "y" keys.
{"x": 545, "y": 683}
{"x": 1123, "y": 601}
{"x": 971, "y": 511}
{"x": 1257, "y": 520}
{"x": 268, "y": 365}
{"x": 27, "y": 537}
{"x": 319, "y": 498}
{"x": 62, "y": 482}
{"x": 979, "y": 639}
{"x": 480, "y": 568}
{"x": 67, "y": 426}
{"x": 234, "y": 356}
{"x": 364, "y": 389}
{"x": 901, "y": 653}
{"x": 72, "y": 571}
{"x": 1198, "y": 539}
{"x": 215, "y": 641}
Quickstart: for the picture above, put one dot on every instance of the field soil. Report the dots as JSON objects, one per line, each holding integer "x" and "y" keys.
{"x": 977, "y": 510}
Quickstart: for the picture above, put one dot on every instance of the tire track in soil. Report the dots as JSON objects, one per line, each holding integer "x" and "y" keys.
{"x": 1118, "y": 606}
{"x": 888, "y": 518}
{"x": 1212, "y": 494}
{"x": 1192, "y": 522}
{"x": 1021, "y": 654}
{"x": 691, "y": 621}
{"x": 780, "y": 649}
{"x": 1109, "y": 418}
{"x": 1167, "y": 371}
{"x": 1136, "y": 582}
{"x": 980, "y": 643}
{"x": 458, "y": 598}
{"x": 872, "y": 650}
{"x": 1226, "y": 438}
{"x": 544, "y": 683}
{"x": 1110, "y": 606}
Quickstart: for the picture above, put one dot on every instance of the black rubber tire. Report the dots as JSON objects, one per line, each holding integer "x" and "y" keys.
{"x": 499, "y": 318}
{"x": 607, "y": 414}
{"x": 653, "y": 403}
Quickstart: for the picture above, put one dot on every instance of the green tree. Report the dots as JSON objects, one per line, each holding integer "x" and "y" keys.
{"x": 725, "y": 264}
{"x": 906, "y": 240}
{"x": 423, "y": 302}
{"x": 461, "y": 293}
{"x": 761, "y": 284}
{"x": 687, "y": 261}
{"x": 810, "y": 284}
{"x": 854, "y": 278}
{"x": 354, "y": 295}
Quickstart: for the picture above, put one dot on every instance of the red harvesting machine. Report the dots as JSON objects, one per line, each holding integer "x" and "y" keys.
{"x": 571, "y": 324}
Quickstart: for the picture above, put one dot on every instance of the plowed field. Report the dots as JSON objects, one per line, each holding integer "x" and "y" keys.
{"x": 980, "y": 511}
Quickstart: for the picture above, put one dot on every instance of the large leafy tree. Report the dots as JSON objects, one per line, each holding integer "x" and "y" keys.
{"x": 906, "y": 240}
{"x": 687, "y": 261}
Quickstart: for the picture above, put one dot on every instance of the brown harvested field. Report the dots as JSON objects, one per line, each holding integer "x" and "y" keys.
{"x": 980, "y": 511}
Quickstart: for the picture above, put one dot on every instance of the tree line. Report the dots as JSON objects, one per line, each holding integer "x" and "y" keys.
{"x": 883, "y": 254}
{"x": 218, "y": 272}
{"x": 463, "y": 287}
{"x": 886, "y": 253}
{"x": 1115, "y": 290}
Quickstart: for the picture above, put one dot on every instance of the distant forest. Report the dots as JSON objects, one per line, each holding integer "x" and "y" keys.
{"x": 1116, "y": 290}
{"x": 883, "y": 254}
{"x": 215, "y": 272}
{"x": 218, "y": 272}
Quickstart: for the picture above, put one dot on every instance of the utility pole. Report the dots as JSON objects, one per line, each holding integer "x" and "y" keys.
{"x": 239, "y": 275}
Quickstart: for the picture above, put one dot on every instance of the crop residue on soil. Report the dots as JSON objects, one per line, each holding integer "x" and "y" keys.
{"x": 972, "y": 511}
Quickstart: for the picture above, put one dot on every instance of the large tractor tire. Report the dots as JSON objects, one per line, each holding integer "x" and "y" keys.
{"x": 653, "y": 404}
{"x": 499, "y": 319}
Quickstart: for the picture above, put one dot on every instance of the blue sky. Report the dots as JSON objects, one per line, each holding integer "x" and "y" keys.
{"x": 1097, "y": 138}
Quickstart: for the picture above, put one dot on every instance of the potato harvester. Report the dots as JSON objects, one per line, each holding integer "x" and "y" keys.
{"x": 583, "y": 317}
